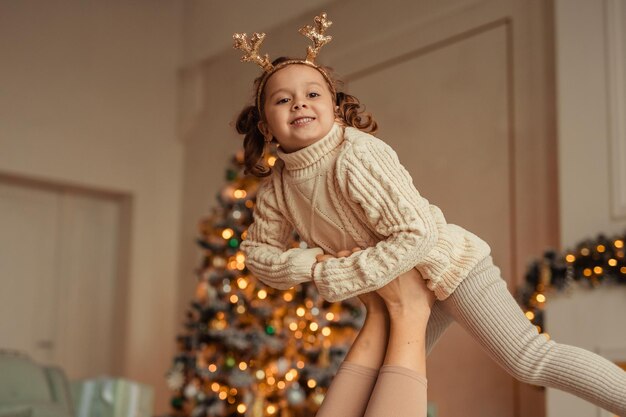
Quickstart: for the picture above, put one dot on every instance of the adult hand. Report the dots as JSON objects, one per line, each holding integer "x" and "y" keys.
{"x": 340, "y": 254}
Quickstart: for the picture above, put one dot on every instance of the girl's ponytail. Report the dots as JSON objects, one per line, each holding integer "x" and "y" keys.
{"x": 351, "y": 113}
{"x": 253, "y": 142}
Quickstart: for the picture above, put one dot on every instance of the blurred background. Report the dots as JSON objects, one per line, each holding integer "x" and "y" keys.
{"x": 116, "y": 127}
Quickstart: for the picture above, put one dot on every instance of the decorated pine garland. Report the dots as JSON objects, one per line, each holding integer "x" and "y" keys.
{"x": 592, "y": 263}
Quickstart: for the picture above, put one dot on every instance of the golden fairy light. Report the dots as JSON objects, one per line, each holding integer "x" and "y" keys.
{"x": 623, "y": 270}
{"x": 242, "y": 283}
{"x": 540, "y": 298}
{"x": 240, "y": 194}
{"x": 271, "y": 161}
{"x": 281, "y": 384}
{"x": 215, "y": 387}
{"x": 260, "y": 374}
{"x": 612, "y": 262}
{"x": 300, "y": 311}
{"x": 227, "y": 233}
{"x": 587, "y": 272}
{"x": 600, "y": 248}
{"x": 326, "y": 331}
{"x": 311, "y": 383}
{"x": 212, "y": 367}
{"x": 584, "y": 251}
{"x": 262, "y": 294}
{"x": 288, "y": 296}
{"x": 243, "y": 366}
{"x": 530, "y": 315}
{"x": 619, "y": 244}
{"x": 241, "y": 309}
{"x": 300, "y": 364}
{"x": 313, "y": 326}
{"x": 271, "y": 409}
{"x": 597, "y": 270}
{"x": 271, "y": 380}
{"x": 241, "y": 408}
{"x": 330, "y": 316}
{"x": 222, "y": 395}
{"x": 233, "y": 298}
{"x": 293, "y": 326}
{"x": 570, "y": 258}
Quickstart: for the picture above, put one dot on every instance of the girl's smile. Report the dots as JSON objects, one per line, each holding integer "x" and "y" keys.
{"x": 298, "y": 107}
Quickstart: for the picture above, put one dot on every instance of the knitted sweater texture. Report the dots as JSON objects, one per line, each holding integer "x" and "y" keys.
{"x": 349, "y": 189}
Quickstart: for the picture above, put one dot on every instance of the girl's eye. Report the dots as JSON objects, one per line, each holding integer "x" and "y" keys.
{"x": 282, "y": 100}
{"x": 314, "y": 95}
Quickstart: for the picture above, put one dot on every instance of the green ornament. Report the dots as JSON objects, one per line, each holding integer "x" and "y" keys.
{"x": 233, "y": 243}
{"x": 231, "y": 174}
{"x": 177, "y": 403}
{"x": 269, "y": 329}
{"x": 230, "y": 362}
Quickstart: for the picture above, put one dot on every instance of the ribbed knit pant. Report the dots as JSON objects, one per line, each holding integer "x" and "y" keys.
{"x": 483, "y": 306}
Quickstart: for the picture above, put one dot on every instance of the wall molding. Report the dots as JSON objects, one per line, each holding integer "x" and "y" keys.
{"x": 616, "y": 93}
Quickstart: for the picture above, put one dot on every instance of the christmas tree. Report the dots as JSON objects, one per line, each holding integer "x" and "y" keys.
{"x": 247, "y": 349}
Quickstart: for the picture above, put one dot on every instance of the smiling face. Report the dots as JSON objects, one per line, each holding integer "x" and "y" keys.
{"x": 298, "y": 107}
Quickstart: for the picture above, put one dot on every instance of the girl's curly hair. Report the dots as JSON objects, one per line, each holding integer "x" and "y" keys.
{"x": 350, "y": 112}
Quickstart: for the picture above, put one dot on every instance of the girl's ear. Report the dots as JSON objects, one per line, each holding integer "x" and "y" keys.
{"x": 262, "y": 126}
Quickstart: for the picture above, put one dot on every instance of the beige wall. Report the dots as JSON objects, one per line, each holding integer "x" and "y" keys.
{"x": 87, "y": 98}
{"x": 591, "y": 77}
{"x": 592, "y": 153}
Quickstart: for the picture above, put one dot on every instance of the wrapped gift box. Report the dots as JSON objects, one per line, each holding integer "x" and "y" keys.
{"x": 112, "y": 397}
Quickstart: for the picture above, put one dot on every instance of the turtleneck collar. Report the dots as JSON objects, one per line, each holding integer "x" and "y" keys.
{"x": 309, "y": 155}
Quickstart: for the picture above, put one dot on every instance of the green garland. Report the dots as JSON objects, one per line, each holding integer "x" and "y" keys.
{"x": 591, "y": 263}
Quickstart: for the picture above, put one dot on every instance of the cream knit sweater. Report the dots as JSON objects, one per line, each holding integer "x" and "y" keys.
{"x": 349, "y": 189}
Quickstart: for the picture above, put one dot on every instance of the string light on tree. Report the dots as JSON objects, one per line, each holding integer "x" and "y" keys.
{"x": 247, "y": 349}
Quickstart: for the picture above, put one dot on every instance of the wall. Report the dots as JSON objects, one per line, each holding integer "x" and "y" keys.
{"x": 591, "y": 93}
{"x": 592, "y": 147}
{"x": 87, "y": 98}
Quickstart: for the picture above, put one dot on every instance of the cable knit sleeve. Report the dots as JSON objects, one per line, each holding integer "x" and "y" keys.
{"x": 375, "y": 180}
{"x": 265, "y": 246}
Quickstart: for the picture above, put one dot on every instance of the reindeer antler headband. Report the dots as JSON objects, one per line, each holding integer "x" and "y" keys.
{"x": 251, "y": 48}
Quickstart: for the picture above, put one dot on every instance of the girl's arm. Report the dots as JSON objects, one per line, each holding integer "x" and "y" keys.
{"x": 371, "y": 175}
{"x": 265, "y": 246}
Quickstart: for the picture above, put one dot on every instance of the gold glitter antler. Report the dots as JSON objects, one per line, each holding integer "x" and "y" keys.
{"x": 316, "y": 34}
{"x": 252, "y": 49}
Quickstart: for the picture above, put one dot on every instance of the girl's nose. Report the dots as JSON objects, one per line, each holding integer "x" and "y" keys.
{"x": 298, "y": 105}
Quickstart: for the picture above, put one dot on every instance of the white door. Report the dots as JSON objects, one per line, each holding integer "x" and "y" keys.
{"x": 58, "y": 276}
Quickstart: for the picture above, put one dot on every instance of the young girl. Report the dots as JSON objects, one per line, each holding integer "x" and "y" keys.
{"x": 340, "y": 187}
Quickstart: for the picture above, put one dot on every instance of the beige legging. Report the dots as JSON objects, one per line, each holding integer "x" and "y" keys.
{"x": 483, "y": 306}
{"x": 358, "y": 391}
